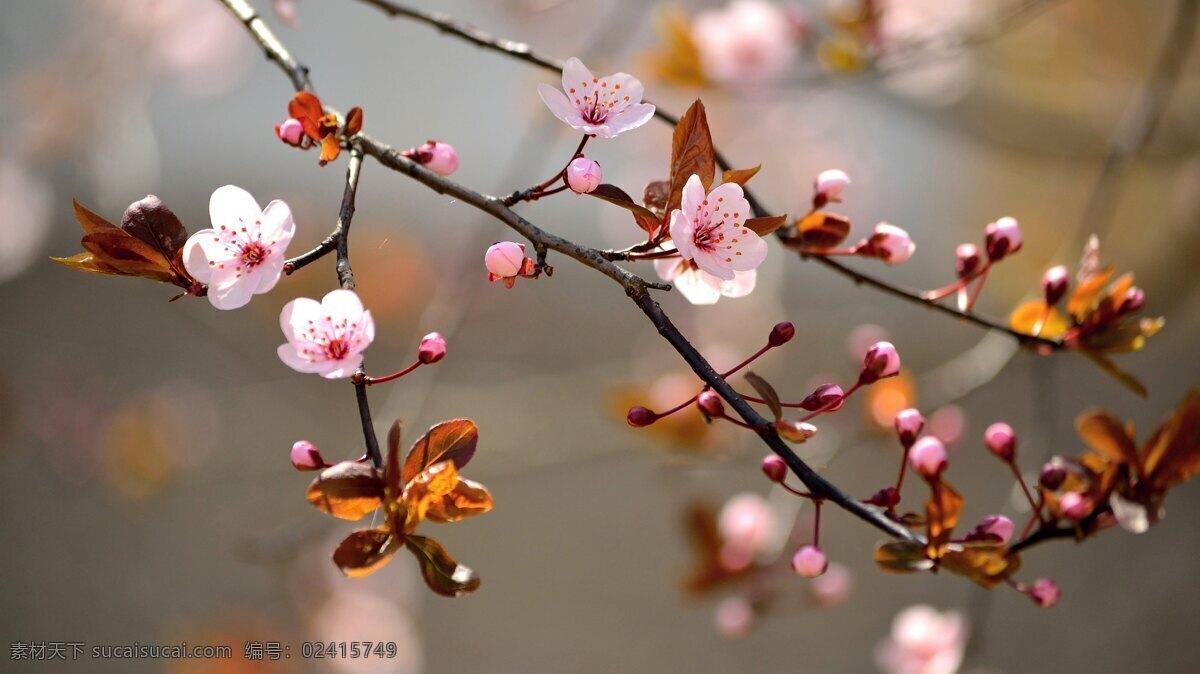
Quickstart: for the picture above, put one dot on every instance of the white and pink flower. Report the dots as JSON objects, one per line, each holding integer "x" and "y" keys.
{"x": 924, "y": 641}
{"x": 242, "y": 255}
{"x": 710, "y": 230}
{"x": 700, "y": 287}
{"x": 326, "y": 337}
{"x": 748, "y": 41}
{"x": 598, "y": 106}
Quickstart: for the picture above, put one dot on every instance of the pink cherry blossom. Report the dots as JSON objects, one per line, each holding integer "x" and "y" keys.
{"x": 924, "y": 641}
{"x": 598, "y": 106}
{"x": 242, "y": 255}
{"x": 711, "y": 232}
{"x": 700, "y": 287}
{"x": 326, "y": 337}
{"x": 748, "y": 41}
{"x": 832, "y": 587}
{"x": 810, "y": 561}
{"x": 584, "y": 175}
{"x": 746, "y": 524}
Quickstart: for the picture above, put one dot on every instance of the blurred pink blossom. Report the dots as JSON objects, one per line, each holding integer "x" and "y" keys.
{"x": 747, "y": 41}
{"x": 923, "y": 641}
{"x": 746, "y": 523}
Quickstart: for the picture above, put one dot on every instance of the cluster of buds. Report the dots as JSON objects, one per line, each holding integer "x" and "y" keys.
{"x": 1001, "y": 239}
{"x": 308, "y": 124}
{"x": 506, "y": 261}
{"x": 819, "y": 233}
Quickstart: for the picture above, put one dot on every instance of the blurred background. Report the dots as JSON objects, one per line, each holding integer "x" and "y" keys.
{"x": 145, "y": 491}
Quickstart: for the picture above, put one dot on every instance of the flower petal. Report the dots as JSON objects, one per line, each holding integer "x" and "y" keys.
{"x": 278, "y": 226}
{"x": 342, "y": 304}
{"x": 195, "y": 257}
{"x": 670, "y": 268}
{"x": 576, "y": 75}
{"x": 340, "y": 369}
{"x": 296, "y": 316}
{"x": 683, "y": 232}
{"x": 713, "y": 265}
{"x": 229, "y": 290}
{"x": 631, "y": 117}
{"x": 747, "y": 252}
{"x": 742, "y": 284}
{"x": 231, "y": 206}
{"x": 698, "y": 287}
{"x": 693, "y": 197}
{"x": 267, "y": 274}
{"x": 292, "y": 358}
{"x": 559, "y": 105}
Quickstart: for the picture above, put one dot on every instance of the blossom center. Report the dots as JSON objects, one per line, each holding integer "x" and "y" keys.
{"x": 336, "y": 349}
{"x": 254, "y": 253}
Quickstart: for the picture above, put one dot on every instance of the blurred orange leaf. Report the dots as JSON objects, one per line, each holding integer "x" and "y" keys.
{"x": 364, "y": 551}
{"x": 822, "y": 230}
{"x": 348, "y": 490}
{"x": 440, "y": 571}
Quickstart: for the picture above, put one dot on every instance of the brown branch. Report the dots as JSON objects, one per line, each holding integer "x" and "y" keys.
{"x": 272, "y": 47}
{"x": 522, "y": 52}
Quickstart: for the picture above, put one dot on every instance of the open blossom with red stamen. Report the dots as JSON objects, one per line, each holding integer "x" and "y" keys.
{"x": 711, "y": 231}
{"x": 242, "y": 255}
{"x": 326, "y": 337}
{"x": 598, "y": 106}
{"x": 700, "y": 287}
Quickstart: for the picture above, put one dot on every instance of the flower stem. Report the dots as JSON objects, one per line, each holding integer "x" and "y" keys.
{"x": 1035, "y": 505}
{"x": 371, "y": 381}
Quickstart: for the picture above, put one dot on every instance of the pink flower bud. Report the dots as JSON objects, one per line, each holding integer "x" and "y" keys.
{"x": 290, "y": 132}
{"x": 1075, "y": 506}
{"x": 1044, "y": 592}
{"x": 881, "y": 361}
{"x": 306, "y": 457}
{"x": 810, "y": 562}
{"x": 993, "y": 527}
{"x": 887, "y": 498}
{"x": 584, "y": 175}
{"x": 889, "y": 243}
{"x": 966, "y": 259}
{"x": 432, "y": 348}
{"x": 828, "y": 186}
{"x": 1052, "y": 475}
{"x": 505, "y": 259}
{"x": 825, "y": 394}
{"x": 734, "y": 617}
{"x": 909, "y": 423}
{"x": 436, "y": 156}
{"x": 781, "y": 334}
{"x": 774, "y": 467}
{"x": 1055, "y": 283}
{"x": 1003, "y": 237}
{"x": 1001, "y": 441}
{"x": 928, "y": 457}
{"x": 711, "y": 403}
{"x": 640, "y": 416}
{"x": 795, "y": 431}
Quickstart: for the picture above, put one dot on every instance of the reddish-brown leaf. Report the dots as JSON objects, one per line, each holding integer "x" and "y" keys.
{"x": 691, "y": 153}
{"x": 1106, "y": 434}
{"x": 442, "y": 574}
{"x": 1087, "y": 293}
{"x": 307, "y": 109}
{"x": 364, "y": 551}
{"x": 767, "y": 392}
{"x": 89, "y": 263}
{"x": 152, "y": 222}
{"x": 941, "y": 516}
{"x": 349, "y": 490}
{"x": 129, "y": 255}
{"x": 655, "y": 196}
{"x": 354, "y": 121}
{"x": 1173, "y": 453}
{"x": 453, "y": 440}
{"x": 822, "y": 230}
{"x": 740, "y": 176}
{"x": 646, "y": 219}
{"x": 392, "y": 469}
{"x": 467, "y": 499}
{"x": 767, "y": 225}
{"x": 1032, "y": 317}
{"x": 330, "y": 149}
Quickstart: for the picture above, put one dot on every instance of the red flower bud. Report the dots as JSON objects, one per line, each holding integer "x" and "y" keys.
{"x": 1055, "y": 283}
{"x": 1052, "y": 475}
{"x": 306, "y": 457}
{"x": 966, "y": 259}
{"x": 825, "y": 394}
{"x": 781, "y": 334}
{"x": 909, "y": 423}
{"x": 432, "y": 349}
{"x": 774, "y": 467}
{"x": 1001, "y": 441}
{"x": 640, "y": 416}
{"x": 711, "y": 403}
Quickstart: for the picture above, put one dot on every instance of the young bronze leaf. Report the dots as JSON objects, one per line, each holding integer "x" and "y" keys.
{"x": 129, "y": 255}
{"x": 442, "y": 574}
{"x": 822, "y": 230}
{"x": 691, "y": 153}
{"x": 1105, "y": 433}
{"x": 467, "y": 499}
{"x": 767, "y": 225}
{"x": 364, "y": 551}
{"x": 349, "y": 490}
{"x": 89, "y": 221}
{"x": 987, "y": 565}
{"x": 307, "y": 108}
{"x": 330, "y": 149}
{"x": 89, "y": 263}
{"x": 902, "y": 557}
{"x": 655, "y": 197}
{"x": 1173, "y": 453}
{"x": 391, "y": 464}
{"x": 646, "y": 219}
{"x": 1031, "y": 316}
{"x": 941, "y": 516}
{"x": 767, "y": 392}
{"x": 453, "y": 440}
{"x": 740, "y": 176}
{"x": 152, "y": 222}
